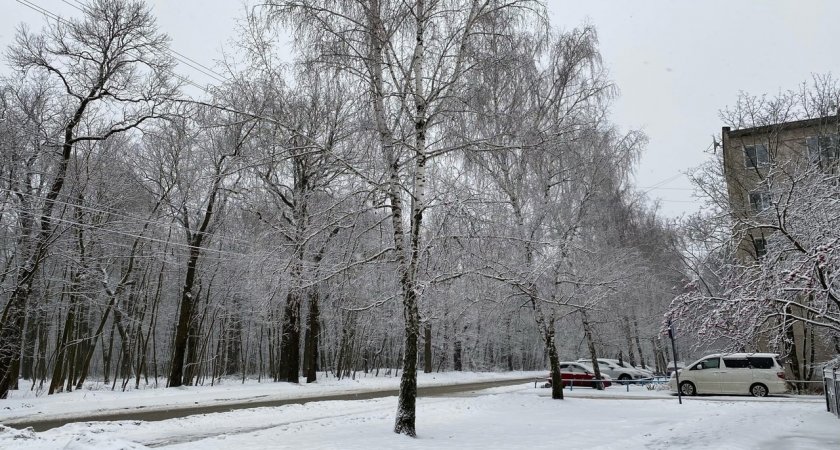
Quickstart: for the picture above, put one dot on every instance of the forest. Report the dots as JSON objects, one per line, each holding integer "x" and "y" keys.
{"x": 432, "y": 185}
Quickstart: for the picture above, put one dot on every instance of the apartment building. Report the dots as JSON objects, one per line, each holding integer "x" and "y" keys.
{"x": 750, "y": 153}
{"x": 752, "y": 158}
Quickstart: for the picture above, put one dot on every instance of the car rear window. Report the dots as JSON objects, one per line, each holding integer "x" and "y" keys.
{"x": 761, "y": 362}
{"x": 736, "y": 363}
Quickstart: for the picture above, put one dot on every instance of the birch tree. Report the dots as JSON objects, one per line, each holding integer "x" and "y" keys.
{"x": 409, "y": 56}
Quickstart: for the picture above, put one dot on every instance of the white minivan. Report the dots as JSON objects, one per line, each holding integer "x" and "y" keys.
{"x": 757, "y": 374}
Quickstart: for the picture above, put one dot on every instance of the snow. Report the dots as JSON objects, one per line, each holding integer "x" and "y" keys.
{"x": 519, "y": 416}
{"x": 99, "y": 399}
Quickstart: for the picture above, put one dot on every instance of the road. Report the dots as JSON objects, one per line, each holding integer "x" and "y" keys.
{"x": 189, "y": 410}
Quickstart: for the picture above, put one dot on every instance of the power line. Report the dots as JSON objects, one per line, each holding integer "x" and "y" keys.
{"x": 186, "y": 60}
{"x": 663, "y": 182}
{"x": 652, "y": 188}
{"x": 132, "y": 235}
{"x": 58, "y": 18}
{"x": 131, "y": 219}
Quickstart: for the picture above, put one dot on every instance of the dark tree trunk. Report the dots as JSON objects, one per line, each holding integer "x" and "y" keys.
{"x": 554, "y": 362}
{"x": 61, "y": 349}
{"x": 30, "y": 338}
{"x": 188, "y": 298}
{"x": 310, "y": 352}
{"x": 191, "y": 366}
{"x": 185, "y": 318}
{"x": 108, "y": 353}
{"x": 290, "y": 341}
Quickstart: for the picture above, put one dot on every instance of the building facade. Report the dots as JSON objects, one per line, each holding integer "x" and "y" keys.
{"x": 754, "y": 159}
{"x": 753, "y": 156}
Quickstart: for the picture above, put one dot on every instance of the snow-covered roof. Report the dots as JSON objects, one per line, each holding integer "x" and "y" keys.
{"x": 741, "y": 355}
{"x": 746, "y": 355}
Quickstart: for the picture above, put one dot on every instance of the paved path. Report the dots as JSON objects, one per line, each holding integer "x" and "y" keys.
{"x": 189, "y": 410}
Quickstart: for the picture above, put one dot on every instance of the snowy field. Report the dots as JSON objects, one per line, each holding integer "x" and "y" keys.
{"x": 507, "y": 417}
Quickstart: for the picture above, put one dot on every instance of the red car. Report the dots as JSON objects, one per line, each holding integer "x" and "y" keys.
{"x": 577, "y": 374}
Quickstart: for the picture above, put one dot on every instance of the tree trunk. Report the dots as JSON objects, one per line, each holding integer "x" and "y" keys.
{"x": 629, "y": 338}
{"x": 310, "y": 354}
{"x": 554, "y": 362}
{"x": 457, "y": 361}
{"x": 427, "y": 347}
{"x": 185, "y": 318}
{"x": 593, "y": 354}
{"x": 290, "y": 342}
{"x": 61, "y": 349}
{"x": 638, "y": 343}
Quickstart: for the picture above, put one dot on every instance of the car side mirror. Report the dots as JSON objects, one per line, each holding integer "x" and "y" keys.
{"x": 699, "y": 366}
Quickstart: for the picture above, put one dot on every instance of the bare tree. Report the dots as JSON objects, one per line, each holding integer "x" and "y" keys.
{"x": 410, "y": 74}
{"x": 112, "y": 64}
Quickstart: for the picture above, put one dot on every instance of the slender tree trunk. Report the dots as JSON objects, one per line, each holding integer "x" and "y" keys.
{"x": 638, "y": 342}
{"x": 593, "y": 354}
{"x": 793, "y": 353}
{"x": 629, "y": 338}
{"x": 427, "y": 347}
{"x": 61, "y": 348}
{"x": 659, "y": 356}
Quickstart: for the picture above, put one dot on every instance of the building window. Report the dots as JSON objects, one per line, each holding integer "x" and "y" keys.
{"x": 823, "y": 148}
{"x": 756, "y": 155}
{"x": 759, "y": 200}
{"x": 760, "y": 247}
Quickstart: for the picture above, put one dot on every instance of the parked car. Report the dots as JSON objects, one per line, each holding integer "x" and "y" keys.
{"x": 672, "y": 367}
{"x": 577, "y": 374}
{"x": 644, "y": 372}
{"x": 757, "y": 374}
{"x": 616, "y": 371}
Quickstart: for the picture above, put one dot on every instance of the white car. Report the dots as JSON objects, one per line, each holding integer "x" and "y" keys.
{"x": 615, "y": 371}
{"x": 757, "y": 374}
{"x": 645, "y": 372}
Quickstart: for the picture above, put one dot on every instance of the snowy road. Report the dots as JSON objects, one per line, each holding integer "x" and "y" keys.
{"x": 177, "y": 411}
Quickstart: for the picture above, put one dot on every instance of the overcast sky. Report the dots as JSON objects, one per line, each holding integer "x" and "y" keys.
{"x": 676, "y": 63}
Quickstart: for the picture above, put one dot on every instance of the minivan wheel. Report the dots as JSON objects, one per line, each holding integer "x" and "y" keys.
{"x": 758, "y": 390}
{"x": 687, "y": 388}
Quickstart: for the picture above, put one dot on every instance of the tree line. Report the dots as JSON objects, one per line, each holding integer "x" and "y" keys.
{"x": 434, "y": 183}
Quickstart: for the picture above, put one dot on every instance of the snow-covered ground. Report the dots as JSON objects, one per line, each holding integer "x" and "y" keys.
{"x": 99, "y": 399}
{"x": 508, "y": 417}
